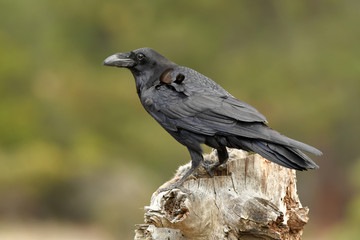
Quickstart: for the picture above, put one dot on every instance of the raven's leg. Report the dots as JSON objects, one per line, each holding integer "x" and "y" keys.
{"x": 196, "y": 158}
{"x": 222, "y": 158}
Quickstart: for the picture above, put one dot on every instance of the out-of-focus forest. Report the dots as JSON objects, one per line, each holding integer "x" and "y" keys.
{"x": 79, "y": 157}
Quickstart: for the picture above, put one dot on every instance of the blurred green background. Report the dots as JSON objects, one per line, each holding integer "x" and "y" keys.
{"x": 79, "y": 157}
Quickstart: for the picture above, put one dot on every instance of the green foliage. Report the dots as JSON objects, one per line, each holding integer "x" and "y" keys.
{"x": 67, "y": 124}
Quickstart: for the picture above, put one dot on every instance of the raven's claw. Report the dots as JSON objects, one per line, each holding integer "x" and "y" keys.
{"x": 168, "y": 188}
{"x": 209, "y": 168}
{"x": 171, "y": 187}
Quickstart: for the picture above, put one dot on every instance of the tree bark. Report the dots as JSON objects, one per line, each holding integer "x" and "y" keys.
{"x": 249, "y": 198}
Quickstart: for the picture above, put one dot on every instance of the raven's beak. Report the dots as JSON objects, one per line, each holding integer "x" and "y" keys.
{"x": 119, "y": 60}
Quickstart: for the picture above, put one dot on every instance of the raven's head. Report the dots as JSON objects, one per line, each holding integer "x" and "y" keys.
{"x": 139, "y": 61}
{"x": 145, "y": 64}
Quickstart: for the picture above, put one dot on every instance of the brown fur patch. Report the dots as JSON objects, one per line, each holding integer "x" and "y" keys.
{"x": 166, "y": 76}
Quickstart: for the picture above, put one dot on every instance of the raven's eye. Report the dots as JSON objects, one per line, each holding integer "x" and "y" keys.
{"x": 140, "y": 56}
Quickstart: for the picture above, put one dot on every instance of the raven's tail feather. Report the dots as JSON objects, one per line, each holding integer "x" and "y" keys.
{"x": 265, "y": 133}
{"x": 283, "y": 155}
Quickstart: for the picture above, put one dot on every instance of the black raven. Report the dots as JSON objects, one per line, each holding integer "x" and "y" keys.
{"x": 195, "y": 110}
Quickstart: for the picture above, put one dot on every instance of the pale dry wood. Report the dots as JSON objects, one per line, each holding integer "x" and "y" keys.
{"x": 249, "y": 198}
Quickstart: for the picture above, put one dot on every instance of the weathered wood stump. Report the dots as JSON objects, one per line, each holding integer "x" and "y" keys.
{"x": 249, "y": 198}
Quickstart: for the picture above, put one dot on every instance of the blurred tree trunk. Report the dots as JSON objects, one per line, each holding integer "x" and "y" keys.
{"x": 249, "y": 198}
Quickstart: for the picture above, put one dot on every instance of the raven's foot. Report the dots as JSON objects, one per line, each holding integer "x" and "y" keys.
{"x": 210, "y": 168}
{"x": 177, "y": 185}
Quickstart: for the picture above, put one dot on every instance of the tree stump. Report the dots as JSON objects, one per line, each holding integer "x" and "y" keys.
{"x": 249, "y": 198}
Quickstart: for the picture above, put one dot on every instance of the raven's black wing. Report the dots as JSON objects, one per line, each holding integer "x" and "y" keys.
{"x": 200, "y": 105}
{"x": 203, "y": 93}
